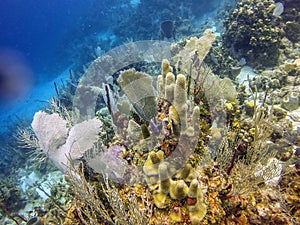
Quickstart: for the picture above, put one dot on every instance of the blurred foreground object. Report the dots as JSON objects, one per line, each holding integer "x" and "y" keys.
{"x": 15, "y": 77}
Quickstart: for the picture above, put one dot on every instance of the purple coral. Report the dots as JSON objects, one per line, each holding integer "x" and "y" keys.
{"x": 110, "y": 163}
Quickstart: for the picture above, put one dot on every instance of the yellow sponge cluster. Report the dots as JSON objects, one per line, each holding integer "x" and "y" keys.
{"x": 183, "y": 185}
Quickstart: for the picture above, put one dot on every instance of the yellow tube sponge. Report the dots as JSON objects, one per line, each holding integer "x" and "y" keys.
{"x": 193, "y": 189}
{"x": 159, "y": 199}
{"x": 165, "y": 67}
{"x": 165, "y": 182}
{"x": 150, "y": 168}
{"x": 184, "y": 172}
{"x": 159, "y": 157}
{"x": 180, "y": 99}
{"x": 169, "y": 88}
{"x": 180, "y": 95}
{"x": 196, "y": 118}
{"x": 174, "y": 117}
{"x": 160, "y": 195}
{"x": 176, "y": 215}
{"x": 160, "y": 85}
{"x": 196, "y": 207}
{"x": 178, "y": 189}
{"x": 198, "y": 213}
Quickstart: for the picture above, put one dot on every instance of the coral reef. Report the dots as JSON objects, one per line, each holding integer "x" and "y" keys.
{"x": 252, "y": 31}
{"x": 11, "y": 199}
{"x": 291, "y": 20}
{"x": 198, "y": 150}
{"x": 290, "y": 185}
{"x": 222, "y": 61}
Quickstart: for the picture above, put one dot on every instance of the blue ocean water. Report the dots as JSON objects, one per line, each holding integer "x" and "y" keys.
{"x": 35, "y": 29}
{"x": 35, "y": 49}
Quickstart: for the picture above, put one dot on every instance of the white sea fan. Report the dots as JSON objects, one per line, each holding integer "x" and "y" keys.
{"x": 82, "y": 137}
{"x": 50, "y": 129}
{"x": 60, "y": 144}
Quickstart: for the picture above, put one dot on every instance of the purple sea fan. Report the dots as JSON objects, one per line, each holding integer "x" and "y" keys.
{"x": 154, "y": 128}
{"x": 110, "y": 163}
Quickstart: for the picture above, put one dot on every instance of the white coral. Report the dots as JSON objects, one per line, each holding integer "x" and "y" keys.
{"x": 61, "y": 144}
{"x": 82, "y": 137}
{"x": 51, "y": 130}
{"x": 271, "y": 172}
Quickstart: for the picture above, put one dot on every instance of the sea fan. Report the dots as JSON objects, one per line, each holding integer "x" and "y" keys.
{"x": 110, "y": 163}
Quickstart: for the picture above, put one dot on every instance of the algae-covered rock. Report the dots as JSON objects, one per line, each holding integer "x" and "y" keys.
{"x": 292, "y": 30}
{"x": 291, "y": 101}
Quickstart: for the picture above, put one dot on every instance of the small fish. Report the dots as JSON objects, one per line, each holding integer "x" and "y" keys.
{"x": 108, "y": 98}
